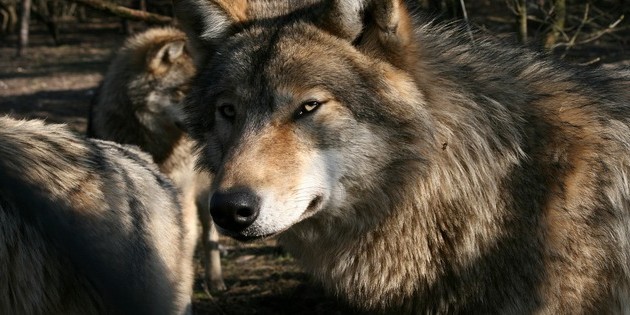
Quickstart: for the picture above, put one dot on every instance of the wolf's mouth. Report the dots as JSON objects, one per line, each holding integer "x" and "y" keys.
{"x": 314, "y": 204}
{"x": 244, "y": 237}
{"x": 251, "y": 238}
{"x": 251, "y": 235}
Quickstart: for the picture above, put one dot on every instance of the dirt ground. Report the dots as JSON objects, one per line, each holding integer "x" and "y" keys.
{"x": 56, "y": 83}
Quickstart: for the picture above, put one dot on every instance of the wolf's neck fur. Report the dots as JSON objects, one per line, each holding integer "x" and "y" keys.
{"x": 409, "y": 245}
{"x": 415, "y": 247}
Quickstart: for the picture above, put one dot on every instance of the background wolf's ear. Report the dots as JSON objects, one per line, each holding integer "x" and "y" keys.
{"x": 207, "y": 22}
{"x": 383, "y": 28}
{"x": 161, "y": 58}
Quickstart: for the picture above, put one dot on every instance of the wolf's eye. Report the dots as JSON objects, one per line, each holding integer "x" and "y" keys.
{"x": 307, "y": 108}
{"x": 227, "y": 111}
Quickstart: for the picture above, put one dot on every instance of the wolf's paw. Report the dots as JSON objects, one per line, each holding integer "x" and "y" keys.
{"x": 215, "y": 285}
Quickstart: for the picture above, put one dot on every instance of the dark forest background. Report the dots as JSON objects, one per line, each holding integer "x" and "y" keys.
{"x": 555, "y": 26}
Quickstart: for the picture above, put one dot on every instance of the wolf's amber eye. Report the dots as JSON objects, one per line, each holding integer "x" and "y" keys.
{"x": 227, "y": 111}
{"x": 307, "y": 108}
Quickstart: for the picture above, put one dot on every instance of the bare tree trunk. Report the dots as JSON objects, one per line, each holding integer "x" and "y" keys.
{"x": 522, "y": 21}
{"x": 9, "y": 17}
{"x": 25, "y": 17}
{"x": 557, "y": 28}
{"x": 46, "y": 11}
{"x": 82, "y": 14}
{"x": 13, "y": 17}
{"x": 53, "y": 20}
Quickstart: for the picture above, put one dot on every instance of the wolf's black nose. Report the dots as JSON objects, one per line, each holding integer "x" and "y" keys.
{"x": 234, "y": 211}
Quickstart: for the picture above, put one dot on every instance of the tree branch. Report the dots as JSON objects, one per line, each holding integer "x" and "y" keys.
{"x": 125, "y": 12}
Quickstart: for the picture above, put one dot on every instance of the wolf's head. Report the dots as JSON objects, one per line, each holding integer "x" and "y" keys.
{"x": 301, "y": 109}
{"x": 160, "y": 68}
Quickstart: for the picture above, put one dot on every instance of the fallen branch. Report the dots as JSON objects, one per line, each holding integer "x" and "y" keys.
{"x": 610, "y": 29}
{"x": 588, "y": 63}
{"x": 571, "y": 42}
{"x": 125, "y": 12}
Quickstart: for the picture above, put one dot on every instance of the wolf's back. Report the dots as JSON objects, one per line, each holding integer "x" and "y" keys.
{"x": 79, "y": 221}
{"x": 34, "y": 153}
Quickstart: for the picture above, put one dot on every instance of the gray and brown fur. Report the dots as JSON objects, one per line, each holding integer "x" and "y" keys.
{"x": 88, "y": 227}
{"x": 138, "y": 103}
{"x": 407, "y": 168}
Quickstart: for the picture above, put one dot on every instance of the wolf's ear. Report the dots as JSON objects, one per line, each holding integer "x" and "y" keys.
{"x": 343, "y": 18}
{"x": 161, "y": 58}
{"x": 207, "y": 22}
{"x": 379, "y": 27}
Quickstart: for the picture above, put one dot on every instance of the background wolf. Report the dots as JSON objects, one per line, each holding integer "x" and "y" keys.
{"x": 138, "y": 103}
{"x": 88, "y": 227}
{"x": 407, "y": 168}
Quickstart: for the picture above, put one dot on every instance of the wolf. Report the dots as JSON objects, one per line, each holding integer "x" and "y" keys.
{"x": 408, "y": 168}
{"x": 88, "y": 227}
{"x": 138, "y": 103}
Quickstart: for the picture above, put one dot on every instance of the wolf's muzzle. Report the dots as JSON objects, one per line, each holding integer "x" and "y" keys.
{"x": 234, "y": 210}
